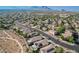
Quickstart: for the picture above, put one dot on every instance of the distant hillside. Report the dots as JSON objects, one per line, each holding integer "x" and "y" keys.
{"x": 40, "y": 8}
{"x": 28, "y": 8}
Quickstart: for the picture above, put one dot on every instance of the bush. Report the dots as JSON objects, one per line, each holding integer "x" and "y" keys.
{"x": 18, "y": 31}
{"x": 25, "y": 35}
{"x": 70, "y": 39}
{"x": 60, "y": 29}
{"x": 62, "y": 37}
{"x": 59, "y": 50}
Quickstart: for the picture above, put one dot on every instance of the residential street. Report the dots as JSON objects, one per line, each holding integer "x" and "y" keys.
{"x": 72, "y": 47}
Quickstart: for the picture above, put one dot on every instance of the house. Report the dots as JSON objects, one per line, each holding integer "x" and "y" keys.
{"x": 52, "y": 32}
{"x": 59, "y": 21}
{"x": 66, "y": 25}
{"x": 48, "y": 48}
{"x": 41, "y": 43}
{"x": 34, "y": 39}
{"x": 76, "y": 25}
{"x": 32, "y": 34}
{"x": 67, "y": 33}
{"x": 48, "y": 21}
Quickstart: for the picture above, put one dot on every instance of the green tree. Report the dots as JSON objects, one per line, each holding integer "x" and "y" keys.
{"x": 60, "y": 29}
{"x": 59, "y": 50}
{"x": 70, "y": 39}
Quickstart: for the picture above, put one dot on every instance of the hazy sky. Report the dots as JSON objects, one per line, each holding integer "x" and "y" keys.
{"x": 68, "y": 8}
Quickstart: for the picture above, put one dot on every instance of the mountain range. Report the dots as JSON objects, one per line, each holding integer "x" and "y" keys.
{"x": 42, "y": 8}
{"x": 35, "y": 8}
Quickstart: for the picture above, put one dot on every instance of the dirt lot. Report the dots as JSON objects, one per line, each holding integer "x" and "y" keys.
{"x": 12, "y": 43}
